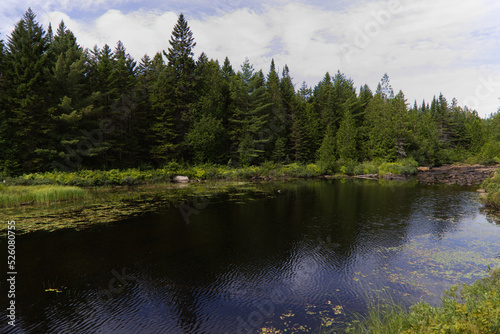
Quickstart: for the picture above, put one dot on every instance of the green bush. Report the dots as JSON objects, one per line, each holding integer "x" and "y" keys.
{"x": 407, "y": 166}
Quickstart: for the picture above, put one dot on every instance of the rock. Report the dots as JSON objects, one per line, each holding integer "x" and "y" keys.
{"x": 481, "y": 191}
{"x": 456, "y": 174}
{"x": 180, "y": 179}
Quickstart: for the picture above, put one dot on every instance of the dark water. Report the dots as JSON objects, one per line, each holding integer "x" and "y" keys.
{"x": 311, "y": 253}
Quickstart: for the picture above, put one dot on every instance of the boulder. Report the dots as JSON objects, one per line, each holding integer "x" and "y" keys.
{"x": 180, "y": 179}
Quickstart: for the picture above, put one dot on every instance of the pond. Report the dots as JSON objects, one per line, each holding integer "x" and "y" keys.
{"x": 294, "y": 256}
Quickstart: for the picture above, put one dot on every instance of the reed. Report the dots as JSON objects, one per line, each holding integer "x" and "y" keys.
{"x": 11, "y": 196}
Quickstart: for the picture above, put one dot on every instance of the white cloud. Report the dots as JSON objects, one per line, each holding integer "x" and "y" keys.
{"x": 426, "y": 47}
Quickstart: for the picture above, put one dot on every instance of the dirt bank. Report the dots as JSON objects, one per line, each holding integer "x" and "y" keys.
{"x": 464, "y": 175}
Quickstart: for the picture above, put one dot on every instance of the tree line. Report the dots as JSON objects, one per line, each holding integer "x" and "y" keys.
{"x": 65, "y": 107}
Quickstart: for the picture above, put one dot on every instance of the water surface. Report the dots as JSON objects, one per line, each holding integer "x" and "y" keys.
{"x": 309, "y": 253}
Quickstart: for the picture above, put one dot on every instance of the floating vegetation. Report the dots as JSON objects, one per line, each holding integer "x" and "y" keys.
{"x": 103, "y": 205}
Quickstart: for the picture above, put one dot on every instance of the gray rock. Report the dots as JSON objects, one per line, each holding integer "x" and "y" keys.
{"x": 180, "y": 179}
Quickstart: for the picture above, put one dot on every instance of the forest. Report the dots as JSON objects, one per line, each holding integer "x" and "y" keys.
{"x": 65, "y": 107}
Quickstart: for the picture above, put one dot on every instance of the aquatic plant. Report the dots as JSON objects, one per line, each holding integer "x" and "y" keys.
{"x": 466, "y": 309}
{"x": 28, "y": 195}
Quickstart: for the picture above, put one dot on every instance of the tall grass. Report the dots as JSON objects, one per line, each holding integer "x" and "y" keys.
{"x": 11, "y": 196}
{"x": 465, "y": 309}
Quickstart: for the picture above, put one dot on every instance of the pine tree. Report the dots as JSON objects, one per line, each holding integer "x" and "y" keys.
{"x": 249, "y": 115}
{"x": 327, "y": 153}
{"x": 290, "y": 104}
{"x": 323, "y": 101}
{"x": 364, "y": 97}
{"x": 26, "y": 112}
{"x": 343, "y": 98}
{"x": 163, "y": 129}
{"x": 347, "y": 138}
{"x": 123, "y": 108}
{"x": 181, "y": 66}
{"x": 277, "y": 118}
{"x": 207, "y": 136}
{"x": 4, "y": 140}
{"x": 69, "y": 106}
{"x": 68, "y": 72}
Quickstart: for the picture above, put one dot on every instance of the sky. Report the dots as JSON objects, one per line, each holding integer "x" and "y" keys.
{"x": 427, "y": 47}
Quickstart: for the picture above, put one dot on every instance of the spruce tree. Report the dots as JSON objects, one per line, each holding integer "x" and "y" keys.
{"x": 181, "y": 66}
{"x": 69, "y": 106}
{"x": 277, "y": 119}
{"x": 249, "y": 115}
{"x": 4, "y": 140}
{"x": 25, "y": 89}
{"x": 164, "y": 141}
{"x": 347, "y": 138}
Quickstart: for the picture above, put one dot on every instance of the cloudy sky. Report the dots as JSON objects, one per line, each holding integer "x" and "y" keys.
{"x": 425, "y": 46}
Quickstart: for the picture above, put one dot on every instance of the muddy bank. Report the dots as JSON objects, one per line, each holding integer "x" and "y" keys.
{"x": 464, "y": 175}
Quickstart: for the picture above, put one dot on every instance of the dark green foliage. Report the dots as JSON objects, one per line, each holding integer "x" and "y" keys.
{"x": 66, "y": 108}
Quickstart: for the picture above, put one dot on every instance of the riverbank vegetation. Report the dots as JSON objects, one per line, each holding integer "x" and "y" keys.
{"x": 206, "y": 172}
{"x": 466, "y": 309}
{"x": 492, "y": 187}
{"x": 67, "y": 108}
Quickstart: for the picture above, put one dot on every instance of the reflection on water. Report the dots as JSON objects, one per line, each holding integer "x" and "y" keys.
{"x": 310, "y": 254}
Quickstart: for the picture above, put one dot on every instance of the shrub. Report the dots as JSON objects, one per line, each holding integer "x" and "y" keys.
{"x": 407, "y": 166}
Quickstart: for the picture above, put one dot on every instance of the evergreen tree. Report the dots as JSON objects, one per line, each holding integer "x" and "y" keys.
{"x": 207, "y": 136}
{"x": 346, "y": 138}
{"x": 327, "y": 153}
{"x": 4, "y": 140}
{"x": 277, "y": 119}
{"x": 165, "y": 141}
{"x": 343, "y": 97}
{"x": 148, "y": 70}
{"x": 378, "y": 129}
{"x": 290, "y": 104}
{"x": 323, "y": 101}
{"x": 125, "y": 97}
{"x": 69, "y": 105}
{"x": 26, "y": 109}
{"x": 248, "y": 115}
{"x": 181, "y": 68}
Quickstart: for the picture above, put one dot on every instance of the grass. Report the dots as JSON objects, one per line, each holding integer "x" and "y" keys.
{"x": 467, "y": 309}
{"x": 492, "y": 186}
{"x": 11, "y": 196}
